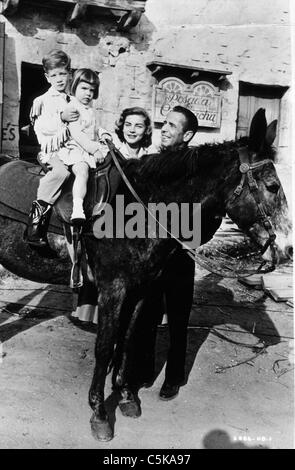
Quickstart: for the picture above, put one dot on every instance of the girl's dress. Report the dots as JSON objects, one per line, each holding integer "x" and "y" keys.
{"x": 72, "y": 152}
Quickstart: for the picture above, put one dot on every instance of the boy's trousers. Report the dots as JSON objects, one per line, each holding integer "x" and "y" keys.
{"x": 50, "y": 185}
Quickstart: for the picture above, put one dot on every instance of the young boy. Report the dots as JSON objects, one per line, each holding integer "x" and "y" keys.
{"x": 51, "y": 131}
{"x": 50, "y": 116}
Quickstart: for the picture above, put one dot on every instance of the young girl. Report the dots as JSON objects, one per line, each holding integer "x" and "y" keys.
{"x": 83, "y": 149}
{"x": 134, "y": 131}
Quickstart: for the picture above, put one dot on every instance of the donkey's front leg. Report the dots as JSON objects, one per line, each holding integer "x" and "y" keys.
{"x": 100, "y": 425}
{"x": 109, "y": 304}
{"x": 129, "y": 402}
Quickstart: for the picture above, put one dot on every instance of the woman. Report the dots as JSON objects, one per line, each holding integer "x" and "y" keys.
{"x": 134, "y": 132}
{"x": 133, "y": 139}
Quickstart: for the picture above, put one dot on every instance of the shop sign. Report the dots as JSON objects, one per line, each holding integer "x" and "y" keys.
{"x": 202, "y": 98}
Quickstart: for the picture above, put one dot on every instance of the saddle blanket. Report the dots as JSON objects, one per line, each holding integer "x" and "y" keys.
{"x": 18, "y": 188}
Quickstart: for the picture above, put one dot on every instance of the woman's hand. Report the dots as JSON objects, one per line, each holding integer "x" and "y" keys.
{"x": 105, "y": 136}
{"x": 98, "y": 156}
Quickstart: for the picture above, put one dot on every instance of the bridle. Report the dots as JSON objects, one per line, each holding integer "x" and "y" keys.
{"x": 246, "y": 169}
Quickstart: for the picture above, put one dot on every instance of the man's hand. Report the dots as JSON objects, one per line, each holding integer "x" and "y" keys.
{"x": 99, "y": 158}
{"x": 69, "y": 114}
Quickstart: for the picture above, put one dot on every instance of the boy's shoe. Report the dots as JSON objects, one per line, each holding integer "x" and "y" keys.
{"x": 36, "y": 232}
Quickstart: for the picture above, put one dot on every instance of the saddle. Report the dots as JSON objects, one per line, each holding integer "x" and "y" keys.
{"x": 102, "y": 185}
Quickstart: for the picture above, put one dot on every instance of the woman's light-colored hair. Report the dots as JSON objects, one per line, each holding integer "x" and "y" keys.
{"x": 147, "y": 137}
{"x": 88, "y": 76}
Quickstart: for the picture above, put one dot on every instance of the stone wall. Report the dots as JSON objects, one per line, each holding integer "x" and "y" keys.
{"x": 250, "y": 38}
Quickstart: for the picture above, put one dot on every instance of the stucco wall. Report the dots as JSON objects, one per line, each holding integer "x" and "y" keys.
{"x": 249, "y": 38}
{"x": 31, "y": 35}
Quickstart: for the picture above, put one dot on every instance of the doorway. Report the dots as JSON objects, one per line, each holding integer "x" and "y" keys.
{"x": 251, "y": 98}
{"x": 33, "y": 84}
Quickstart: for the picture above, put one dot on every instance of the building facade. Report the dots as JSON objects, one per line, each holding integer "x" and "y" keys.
{"x": 222, "y": 58}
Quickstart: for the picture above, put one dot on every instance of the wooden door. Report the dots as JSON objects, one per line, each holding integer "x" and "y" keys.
{"x": 253, "y": 97}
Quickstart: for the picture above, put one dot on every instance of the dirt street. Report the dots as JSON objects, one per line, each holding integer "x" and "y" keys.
{"x": 235, "y": 397}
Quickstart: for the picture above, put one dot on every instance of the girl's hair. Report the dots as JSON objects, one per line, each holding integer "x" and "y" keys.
{"x": 55, "y": 59}
{"x": 147, "y": 137}
{"x": 88, "y": 76}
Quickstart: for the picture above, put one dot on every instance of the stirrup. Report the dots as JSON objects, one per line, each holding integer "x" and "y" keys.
{"x": 76, "y": 280}
{"x": 76, "y": 275}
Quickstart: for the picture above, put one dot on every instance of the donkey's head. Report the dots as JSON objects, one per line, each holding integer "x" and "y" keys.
{"x": 258, "y": 204}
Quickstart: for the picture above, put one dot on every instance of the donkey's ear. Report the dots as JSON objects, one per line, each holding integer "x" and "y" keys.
{"x": 257, "y": 130}
{"x": 271, "y": 132}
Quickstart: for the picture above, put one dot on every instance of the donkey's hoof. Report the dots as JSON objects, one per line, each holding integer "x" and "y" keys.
{"x": 130, "y": 408}
{"x": 101, "y": 430}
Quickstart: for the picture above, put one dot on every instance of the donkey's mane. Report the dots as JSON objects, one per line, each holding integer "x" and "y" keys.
{"x": 202, "y": 160}
{"x": 186, "y": 163}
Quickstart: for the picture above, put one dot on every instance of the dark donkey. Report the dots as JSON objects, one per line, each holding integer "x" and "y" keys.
{"x": 124, "y": 268}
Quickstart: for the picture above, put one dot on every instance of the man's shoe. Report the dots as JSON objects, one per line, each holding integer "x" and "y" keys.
{"x": 147, "y": 383}
{"x": 168, "y": 391}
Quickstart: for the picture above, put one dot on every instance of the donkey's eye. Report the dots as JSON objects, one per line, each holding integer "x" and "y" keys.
{"x": 273, "y": 187}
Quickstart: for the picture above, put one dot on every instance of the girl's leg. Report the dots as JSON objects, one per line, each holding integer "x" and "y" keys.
{"x": 81, "y": 172}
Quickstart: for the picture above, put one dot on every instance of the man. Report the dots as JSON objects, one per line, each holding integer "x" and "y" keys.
{"x": 178, "y": 129}
{"x": 176, "y": 282}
